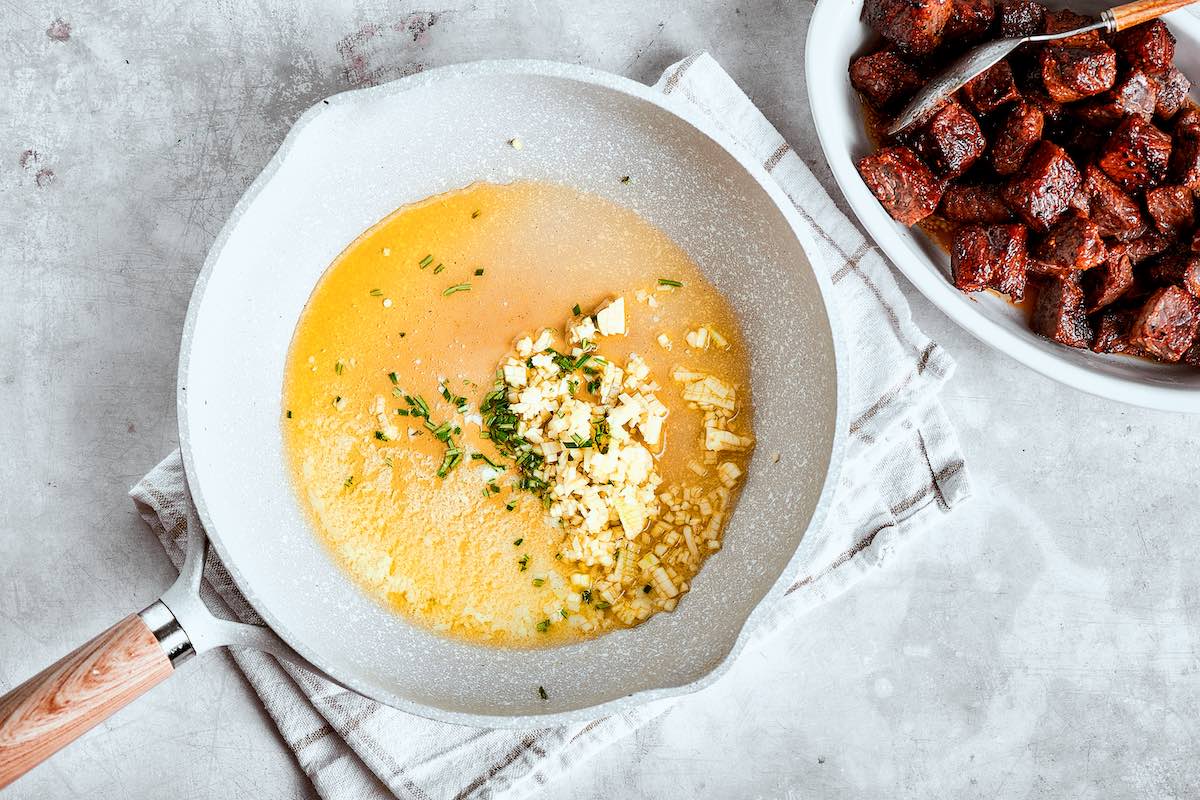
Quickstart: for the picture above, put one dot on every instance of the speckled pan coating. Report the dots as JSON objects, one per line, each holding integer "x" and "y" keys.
{"x": 350, "y": 161}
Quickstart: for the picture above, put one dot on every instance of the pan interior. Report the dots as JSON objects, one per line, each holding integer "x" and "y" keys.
{"x": 351, "y": 164}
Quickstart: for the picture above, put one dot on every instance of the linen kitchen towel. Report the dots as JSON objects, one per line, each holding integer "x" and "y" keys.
{"x": 903, "y": 471}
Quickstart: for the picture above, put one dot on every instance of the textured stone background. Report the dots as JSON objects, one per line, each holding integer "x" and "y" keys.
{"x": 1040, "y": 645}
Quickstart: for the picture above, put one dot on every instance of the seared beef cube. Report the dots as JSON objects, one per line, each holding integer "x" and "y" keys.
{"x": 1052, "y": 111}
{"x": 1113, "y": 211}
{"x": 1149, "y": 46}
{"x": 1043, "y": 189}
{"x": 1177, "y": 267}
{"x": 969, "y": 19}
{"x": 1173, "y": 87}
{"x": 1167, "y": 324}
{"x": 1185, "y": 161}
{"x": 1147, "y": 246}
{"x": 1067, "y": 20}
{"x": 969, "y": 203}
{"x": 1017, "y": 135}
{"x": 1112, "y": 332}
{"x": 1020, "y": 18}
{"x": 1072, "y": 72}
{"x": 884, "y": 78}
{"x": 1133, "y": 94}
{"x": 1192, "y": 356}
{"x": 902, "y": 183}
{"x": 1106, "y": 284}
{"x": 1059, "y": 315}
{"x": 1191, "y": 276}
{"x": 915, "y": 26}
{"x": 1136, "y": 155}
{"x": 951, "y": 141}
{"x": 991, "y": 257}
{"x": 1171, "y": 208}
{"x": 1072, "y": 244}
{"x": 1187, "y": 124}
{"x": 992, "y": 89}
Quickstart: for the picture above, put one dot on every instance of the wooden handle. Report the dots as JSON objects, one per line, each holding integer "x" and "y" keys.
{"x": 60, "y": 703}
{"x": 1136, "y": 13}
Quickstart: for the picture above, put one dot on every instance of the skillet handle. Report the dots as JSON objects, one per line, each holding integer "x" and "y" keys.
{"x": 85, "y": 687}
{"x": 1131, "y": 14}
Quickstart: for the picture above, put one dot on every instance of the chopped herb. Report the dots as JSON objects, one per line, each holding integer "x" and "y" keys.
{"x": 509, "y": 506}
{"x": 593, "y": 386}
{"x": 339, "y": 367}
{"x": 517, "y": 543}
{"x": 601, "y": 605}
{"x": 381, "y": 436}
{"x": 289, "y": 414}
{"x": 403, "y": 334}
{"x": 376, "y": 293}
{"x": 625, "y": 179}
{"x": 524, "y": 562}
{"x": 445, "y": 393}
{"x": 558, "y": 556}
{"x": 458, "y": 287}
{"x": 542, "y": 693}
{"x": 646, "y": 589}
{"x": 394, "y": 378}
{"x": 421, "y": 405}
{"x": 337, "y": 399}
{"x": 493, "y": 488}
{"x": 478, "y": 272}
{"x": 482, "y": 457}
{"x": 403, "y": 412}
{"x": 575, "y": 309}
{"x": 563, "y": 613}
{"x": 475, "y": 214}
{"x": 426, "y": 261}
{"x": 388, "y": 461}
{"x": 669, "y": 282}
{"x": 602, "y": 435}
{"x": 438, "y": 269}
{"x": 543, "y": 626}
{"x": 451, "y": 460}
{"x": 586, "y": 595}
{"x": 538, "y": 581}
{"x": 348, "y": 482}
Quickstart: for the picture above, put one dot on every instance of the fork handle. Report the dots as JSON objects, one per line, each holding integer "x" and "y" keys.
{"x": 1139, "y": 11}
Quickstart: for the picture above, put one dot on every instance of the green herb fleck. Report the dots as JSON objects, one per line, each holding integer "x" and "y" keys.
{"x": 538, "y": 581}
{"x": 646, "y": 589}
{"x": 377, "y": 293}
{"x": 517, "y": 543}
{"x": 394, "y": 378}
{"x": 586, "y": 595}
{"x": 475, "y": 214}
{"x": 524, "y": 562}
{"x": 601, "y": 605}
{"x": 478, "y": 272}
{"x": 339, "y": 367}
{"x": 482, "y": 457}
{"x": 348, "y": 482}
{"x": 669, "y": 282}
{"x": 563, "y": 613}
{"x": 438, "y": 269}
{"x": 542, "y": 693}
{"x": 381, "y": 436}
{"x": 543, "y": 626}
{"x": 426, "y": 261}
{"x": 575, "y": 309}
{"x": 458, "y": 287}
{"x": 625, "y": 179}
{"x": 289, "y": 414}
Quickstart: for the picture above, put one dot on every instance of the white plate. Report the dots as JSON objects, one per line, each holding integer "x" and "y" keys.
{"x": 836, "y": 35}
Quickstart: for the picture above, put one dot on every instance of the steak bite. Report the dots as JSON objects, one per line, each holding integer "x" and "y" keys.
{"x": 1073, "y": 244}
{"x": 1106, "y": 284}
{"x": 1149, "y": 46}
{"x": 914, "y": 26}
{"x": 1042, "y": 191}
{"x": 884, "y": 78}
{"x": 1173, "y": 87}
{"x": 991, "y": 257}
{"x": 1020, "y": 17}
{"x": 902, "y": 183}
{"x": 969, "y": 19}
{"x": 1067, "y": 20}
{"x": 1185, "y": 156}
{"x": 974, "y": 203}
{"x": 1187, "y": 124}
{"x": 1136, "y": 93}
{"x": 993, "y": 88}
{"x": 1113, "y": 330}
{"x": 1073, "y": 72}
{"x": 1146, "y": 246}
{"x": 951, "y": 141}
{"x": 1177, "y": 267}
{"x": 1016, "y": 136}
{"x": 1136, "y": 155}
{"x": 1167, "y": 324}
{"x": 1113, "y": 211}
{"x": 1171, "y": 208}
{"x": 1059, "y": 315}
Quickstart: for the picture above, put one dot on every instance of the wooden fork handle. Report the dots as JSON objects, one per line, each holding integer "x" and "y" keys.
{"x": 1135, "y": 13}
{"x": 63, "y": 701}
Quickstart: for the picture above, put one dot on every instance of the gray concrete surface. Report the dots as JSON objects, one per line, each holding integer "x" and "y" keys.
{"x": 1043, "y": 644}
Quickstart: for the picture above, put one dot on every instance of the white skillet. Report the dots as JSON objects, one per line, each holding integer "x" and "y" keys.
{"x": 347, "y": 163}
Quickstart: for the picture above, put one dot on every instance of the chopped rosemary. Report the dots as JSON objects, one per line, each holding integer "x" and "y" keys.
{"x": 478, "y": 272}
{"x": 575, "y": 309}
{"x": 538, "y": 581}
{"x": 475, "y": 214}
{"x": 426, "y": 261}
{"x": 517, "y": 543}
{"x": 563, "y": 613}
{"x": 381, "y": 436}
{"x": 601, "y": 605}
{"x": 509, "y": 506}
{"x": 394, "y": 378}
{"x": 482, "y": 457}
{"x": 289, "y": 414}
{"x": 669, "y": 282}
{"x": 458, "y": 287}
{"x": 542, "y": 693}
{"x": 524, "y": 562}
{"x": 543, "y": 626}
{"x": 377, "y": 293}
{"x": 339, "y": 367}
{"x": 646, "y": 589}
{"x": 586, "y": 595}
{"x": 438, "y": 269}
{"x": 348, "y": 482}
{"x": 625, "y": 179}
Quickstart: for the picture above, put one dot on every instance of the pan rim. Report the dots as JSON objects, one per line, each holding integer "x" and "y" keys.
{"x": 519, "y": 68}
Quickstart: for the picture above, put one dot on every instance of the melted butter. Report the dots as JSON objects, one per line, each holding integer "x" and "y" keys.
{"x": 437, "y": 550}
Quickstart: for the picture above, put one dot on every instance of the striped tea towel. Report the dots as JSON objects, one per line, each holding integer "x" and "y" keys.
{"x": 903, "y": 471}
